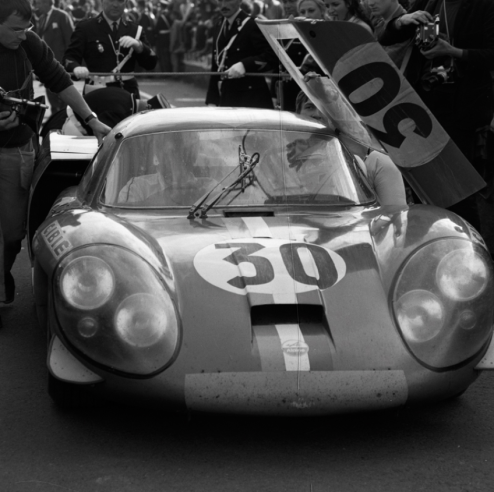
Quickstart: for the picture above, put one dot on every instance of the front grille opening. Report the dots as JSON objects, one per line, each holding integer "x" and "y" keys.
{"x": 285, "y": 314}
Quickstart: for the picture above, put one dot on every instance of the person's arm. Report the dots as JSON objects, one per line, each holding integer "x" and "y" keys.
{"x": 74, "y": 55}
{"x": 386, "y": 179}
{"x": 8, "y": 120}
{"x": 262, "y": 59}
{"x": 73, "y": 98}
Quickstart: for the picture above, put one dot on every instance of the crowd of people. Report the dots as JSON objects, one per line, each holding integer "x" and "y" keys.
{"x": 453, "y": 75}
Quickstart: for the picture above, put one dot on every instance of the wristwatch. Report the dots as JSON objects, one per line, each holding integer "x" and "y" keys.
{"x": 92, "y": 116}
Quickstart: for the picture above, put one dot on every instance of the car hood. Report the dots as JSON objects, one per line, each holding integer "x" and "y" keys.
{"x": 238, "y": 280}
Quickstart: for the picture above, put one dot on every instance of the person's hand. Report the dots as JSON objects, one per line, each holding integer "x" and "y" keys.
{"x": 236, "y": 71}
{"x": 130, "y": 42}
{"x": 100, "y": 130}
{"x": 442, "y": 48}
{"x": 8, "y": 120}
{"x": 81, "y": 73}
{"x": 417, "y": 18}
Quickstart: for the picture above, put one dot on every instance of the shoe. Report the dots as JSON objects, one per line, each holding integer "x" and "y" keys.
{"x": 158, "y": 102}
{"x": 9, "y": 289}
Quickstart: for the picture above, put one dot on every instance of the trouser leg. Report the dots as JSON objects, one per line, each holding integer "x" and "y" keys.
{"x": 13, "y": 206}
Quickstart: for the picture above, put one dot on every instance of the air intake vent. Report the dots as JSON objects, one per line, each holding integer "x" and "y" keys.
{"x": 278, "y": 314}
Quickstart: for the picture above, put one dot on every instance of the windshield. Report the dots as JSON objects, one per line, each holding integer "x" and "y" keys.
{"x": 176, "y": 169}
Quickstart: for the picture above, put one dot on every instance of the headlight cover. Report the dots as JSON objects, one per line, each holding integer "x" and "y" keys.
{"x": 113, "y": 309}
{"x": 442, "y": 302}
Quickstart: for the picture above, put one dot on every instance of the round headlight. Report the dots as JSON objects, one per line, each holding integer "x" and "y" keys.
{"x": 114, "y": 310}
{"x": 462, "y": 275}
{"x": 420, "y": 315}
{"x": 142, "y": 319}
{"x": 442, "y": 302}
{"x": 87, "y": 282}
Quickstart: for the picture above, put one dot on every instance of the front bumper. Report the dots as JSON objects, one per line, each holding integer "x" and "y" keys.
{"x": 295, "y": 393}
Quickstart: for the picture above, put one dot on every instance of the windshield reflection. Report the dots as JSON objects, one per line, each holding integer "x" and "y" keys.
{"x": 175, "y": 169}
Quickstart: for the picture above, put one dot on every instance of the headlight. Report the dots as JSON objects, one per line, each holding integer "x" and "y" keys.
{"x": 141, "y": 320}
{"x": 113, "y": 309}
{"x": 442, "y": 302}
{"x": 87, "y": 282}
{"x": 462, "y": 275}
{"x": 420, "y": 315}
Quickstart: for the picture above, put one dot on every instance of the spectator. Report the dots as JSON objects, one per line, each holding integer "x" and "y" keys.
{"x": 461, "y": 98}
{"x": 55, "y": 27}
{"x": 382, "y": 11}
{"x": 273, "y": 9}
{"x": 147, "y": 20}
{"x": 23, "y": 51}
{"x": 239, "y": 47}
{"x": 289, "y": 8}
{"x": 103, "y": 44}
{"x": 311, "y": 9}
{"x": 162, "y": 36}
{"x": 349, "y": 10}
{"x": 177, "y": 36}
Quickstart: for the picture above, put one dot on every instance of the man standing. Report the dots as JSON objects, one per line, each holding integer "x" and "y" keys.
{"x": 55, "y": 27}
{"x": 453, "y": 75}
{"x": 109, "y": 42}
{"x": 239, "y": 47}
{"x": 23, "y": 52}
{"x": 383, "y": 11}
{"x": 162, "y": 36}
{"x": 146, "y": 20}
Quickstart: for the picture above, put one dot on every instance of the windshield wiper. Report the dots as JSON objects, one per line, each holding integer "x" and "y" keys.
{"x": 246, "y": 164}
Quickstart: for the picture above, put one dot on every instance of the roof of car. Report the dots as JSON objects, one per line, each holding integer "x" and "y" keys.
{"x": 179, "y": 119}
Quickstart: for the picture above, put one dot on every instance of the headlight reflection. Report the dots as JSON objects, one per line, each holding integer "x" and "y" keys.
{"x": 87, "y": 282}
{"x": 420, "y": 314}
{"x": 462, "y": 275}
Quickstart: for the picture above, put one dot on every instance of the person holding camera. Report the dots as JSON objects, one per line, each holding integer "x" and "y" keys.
{"x": 450, "y": 67}
{"x": 24, "y": 53}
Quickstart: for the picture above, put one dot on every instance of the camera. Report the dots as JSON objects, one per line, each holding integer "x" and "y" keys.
{"x": 30, "y": 113}
{"x": 427, "y": 34}
{"x": 438, "y": 75}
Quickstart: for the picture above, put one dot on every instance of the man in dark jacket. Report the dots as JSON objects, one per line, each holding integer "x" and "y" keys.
{"x": 103, "y": 44}
{"x": 55, "y": 27}
{"x": 23, "y": 52}
{"x": 453, "y": 76}
{"x": 239, "y": 47}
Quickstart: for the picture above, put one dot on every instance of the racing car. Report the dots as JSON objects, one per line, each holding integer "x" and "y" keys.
{"x": 237, "y": 260}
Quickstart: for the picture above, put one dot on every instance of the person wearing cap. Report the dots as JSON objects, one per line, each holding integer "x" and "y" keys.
{"x": 239, "y": 47}
{"x": 109, "y": 42}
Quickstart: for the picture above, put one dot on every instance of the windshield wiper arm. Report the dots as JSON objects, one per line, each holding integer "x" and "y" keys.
{"x": 200, "y": 208}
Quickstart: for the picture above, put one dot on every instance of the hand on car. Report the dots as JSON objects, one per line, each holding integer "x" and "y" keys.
{"x": 100, "y": 130}
{"x": 8, "y": 120}
{"x": 130, "y": 42}
{"x": 81, "y": 73}
{"x": 236, "y": 71}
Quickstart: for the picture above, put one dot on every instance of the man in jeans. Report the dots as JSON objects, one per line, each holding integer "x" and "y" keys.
{"x": 24, "y": 53}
